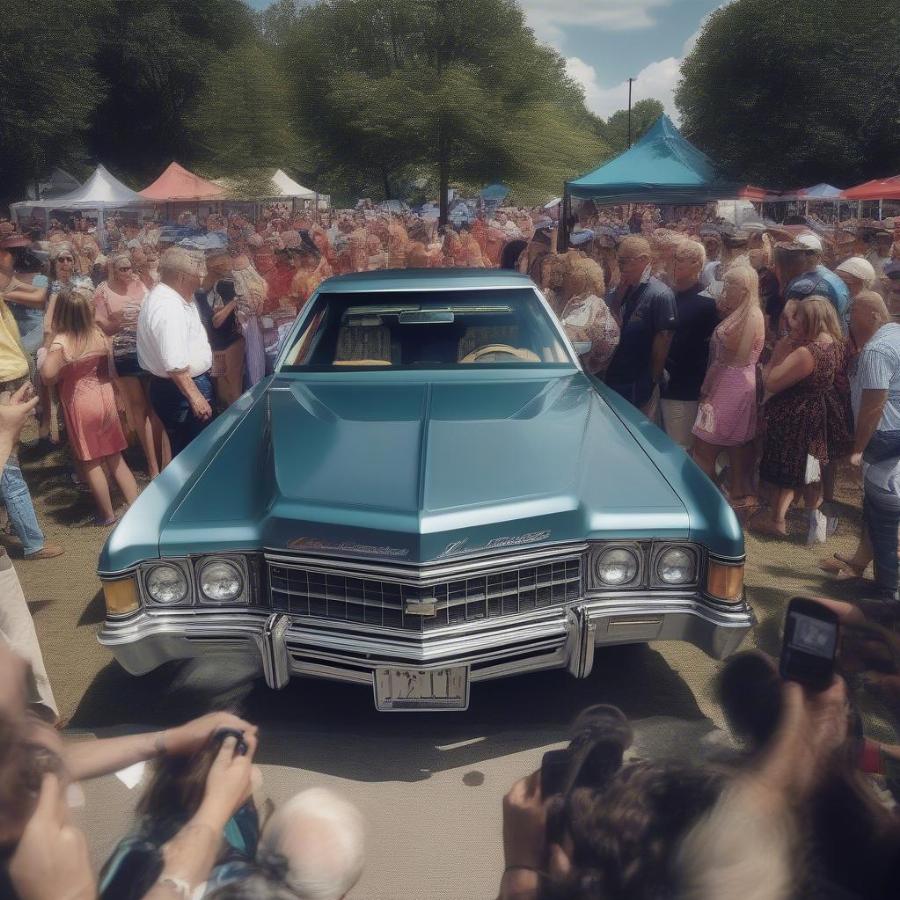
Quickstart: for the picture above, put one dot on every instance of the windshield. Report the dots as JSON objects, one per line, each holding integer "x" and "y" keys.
{"x": 428, "y": 330}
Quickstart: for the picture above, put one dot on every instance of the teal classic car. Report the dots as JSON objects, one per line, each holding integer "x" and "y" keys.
{"x": 428, "y": 492}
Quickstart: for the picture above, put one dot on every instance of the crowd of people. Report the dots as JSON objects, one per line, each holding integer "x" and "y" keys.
{"x": 770, "y": 355}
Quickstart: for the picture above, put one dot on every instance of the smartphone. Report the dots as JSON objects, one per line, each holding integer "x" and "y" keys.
{"x": 241, "y": 748}
{"x": 554, "y": 768}
{"x": 811, "y": 633}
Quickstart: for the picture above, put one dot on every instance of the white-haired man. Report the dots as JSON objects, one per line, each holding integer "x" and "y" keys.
{"x": 173, "y": 347}
{"x": 322, "y": 838}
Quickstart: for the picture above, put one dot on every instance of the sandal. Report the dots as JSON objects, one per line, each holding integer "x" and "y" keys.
{"x": 746, "y": 502}
{"x": 105, "y": 523}
{"x": 841, "y": 568}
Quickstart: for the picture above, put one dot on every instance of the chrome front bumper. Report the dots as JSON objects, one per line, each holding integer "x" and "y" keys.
{"x": 282, "y": 646}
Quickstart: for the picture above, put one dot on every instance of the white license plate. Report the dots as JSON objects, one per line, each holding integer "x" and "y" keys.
{"x": 401, "y": 690}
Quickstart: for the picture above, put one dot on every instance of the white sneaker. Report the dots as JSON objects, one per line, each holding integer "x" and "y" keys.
{"x": 818, "y": 528}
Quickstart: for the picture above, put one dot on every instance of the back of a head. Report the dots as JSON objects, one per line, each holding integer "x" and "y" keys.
{"x": 255, "y": 887}
{"x": 322, "y": 838}
{"x": 625, "y": 836}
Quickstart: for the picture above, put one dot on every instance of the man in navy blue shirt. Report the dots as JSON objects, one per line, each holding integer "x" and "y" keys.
{"x": 818, "y": 280}
{"x": 645, "y": 310}
{"x": 689, "y": 353}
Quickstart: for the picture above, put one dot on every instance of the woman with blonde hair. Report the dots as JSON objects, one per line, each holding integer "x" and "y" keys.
{"x": 117, "y": 304}
{"x": 798, "y": 382}
{"x": 79, "y": 359}
{"x": 726, "y": 417}
{"x": 585, "y": 315}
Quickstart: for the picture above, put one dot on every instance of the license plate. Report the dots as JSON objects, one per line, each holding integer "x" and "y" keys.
{"x": 402, "y": 690}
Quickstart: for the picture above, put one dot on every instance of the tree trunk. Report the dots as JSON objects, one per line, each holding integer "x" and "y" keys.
{"x": 386, "y": 183}
{"x": 443, "y": 174}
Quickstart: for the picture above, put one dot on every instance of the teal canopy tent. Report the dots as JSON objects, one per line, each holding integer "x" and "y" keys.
{"x": 662, "y": 167}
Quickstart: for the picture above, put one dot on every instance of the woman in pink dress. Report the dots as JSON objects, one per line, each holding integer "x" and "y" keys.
{"x": 117, "y": 304}
{"x": 726, "y": 418}
{"x": 79, "y": 361}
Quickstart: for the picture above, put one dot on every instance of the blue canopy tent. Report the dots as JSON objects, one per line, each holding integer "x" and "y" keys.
{"x": 494, "y": 193}
{"x": 662, "y": 167}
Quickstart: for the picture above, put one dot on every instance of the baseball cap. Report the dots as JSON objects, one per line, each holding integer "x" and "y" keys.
{"x": 579, "y": 238}
{"x": 807, "y": 285}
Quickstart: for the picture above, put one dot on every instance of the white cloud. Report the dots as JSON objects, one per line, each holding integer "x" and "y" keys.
{"x": 657, "y": 81}
{"x": 548, "y": 18}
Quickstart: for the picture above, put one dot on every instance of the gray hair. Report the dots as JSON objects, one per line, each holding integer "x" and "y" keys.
{"x": 322, "y": 838}
{"x": 692, "y": 250}
{"x": 178, "y": 261}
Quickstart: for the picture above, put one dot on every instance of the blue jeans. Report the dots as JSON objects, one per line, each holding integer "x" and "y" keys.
{"x": 31, "y": 327}
{"x": 17, "y": 498}
{"x": 175, "y": 412}
{"x": 881, "y": 513}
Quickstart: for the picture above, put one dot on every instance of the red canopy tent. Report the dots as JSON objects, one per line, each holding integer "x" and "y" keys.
{"x": 178, "y": 185}
{"x": 756, "y": 194}
{"x": 879, "y": 189}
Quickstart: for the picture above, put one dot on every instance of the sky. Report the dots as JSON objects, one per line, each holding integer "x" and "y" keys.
{"x": 604, "y": 42}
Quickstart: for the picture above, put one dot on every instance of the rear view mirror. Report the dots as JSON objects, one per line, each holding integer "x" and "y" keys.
{"x": 582, "y": 348}
{"x": 427, "y": 317}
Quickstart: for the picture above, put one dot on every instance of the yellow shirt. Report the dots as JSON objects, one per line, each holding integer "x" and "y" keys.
{"x": 13, "y": 362}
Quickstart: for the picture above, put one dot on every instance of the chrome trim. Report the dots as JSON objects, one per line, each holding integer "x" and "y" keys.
{"x": 430, "y": 571}
{"x": 282, "y": 646}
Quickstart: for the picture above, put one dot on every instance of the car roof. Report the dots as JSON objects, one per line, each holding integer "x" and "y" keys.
{"x": 425, "y": 280}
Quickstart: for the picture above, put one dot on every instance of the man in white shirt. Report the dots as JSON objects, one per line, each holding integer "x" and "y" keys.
{"x": 173, "y": 347}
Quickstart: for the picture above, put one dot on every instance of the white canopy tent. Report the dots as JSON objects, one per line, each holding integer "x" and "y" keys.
{"x": 101, "y": 192}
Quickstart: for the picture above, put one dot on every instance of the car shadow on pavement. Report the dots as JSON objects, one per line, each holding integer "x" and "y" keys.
{"x": 331, "y": 728}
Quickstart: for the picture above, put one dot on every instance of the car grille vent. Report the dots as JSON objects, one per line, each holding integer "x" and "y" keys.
{"x": 304, "y": 591}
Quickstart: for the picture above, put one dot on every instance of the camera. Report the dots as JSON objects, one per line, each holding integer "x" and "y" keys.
{"x": 600, "y": 736}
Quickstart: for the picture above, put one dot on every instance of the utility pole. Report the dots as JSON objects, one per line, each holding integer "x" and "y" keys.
{"x": 630, "y": 81}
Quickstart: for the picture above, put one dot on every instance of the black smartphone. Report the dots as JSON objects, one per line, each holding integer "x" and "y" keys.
{"x": 241, "y": 748}
{"x": 810, "y": 645}
{"x": 554, "y": 767}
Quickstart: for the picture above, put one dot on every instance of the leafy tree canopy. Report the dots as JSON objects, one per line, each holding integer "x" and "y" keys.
{"x": 615, "y": 130}
{"x": 461, "y": 87}
{"x": 794, "y": 94}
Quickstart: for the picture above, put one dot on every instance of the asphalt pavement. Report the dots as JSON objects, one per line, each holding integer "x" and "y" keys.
{"x": 430, "y": 785}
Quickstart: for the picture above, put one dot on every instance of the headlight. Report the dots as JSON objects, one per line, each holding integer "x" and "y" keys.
{"x": 616, "y": 566}
{"x": 220, "y": 581}
{"x": 166, "y": 584}
{"x": 677, "y": 566}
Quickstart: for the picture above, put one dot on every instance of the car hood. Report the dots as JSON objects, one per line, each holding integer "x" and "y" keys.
{"x": 421, "y": 470}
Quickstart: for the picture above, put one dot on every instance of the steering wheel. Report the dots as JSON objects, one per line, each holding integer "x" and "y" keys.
{"x": 516, "y": 353}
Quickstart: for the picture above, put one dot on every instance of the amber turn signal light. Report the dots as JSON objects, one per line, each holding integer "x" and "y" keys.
{"x": 725, "y": 582}
{"x": 121, "y": 596}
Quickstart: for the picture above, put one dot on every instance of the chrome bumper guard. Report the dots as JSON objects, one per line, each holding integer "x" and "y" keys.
{"x": 283, "y": 646}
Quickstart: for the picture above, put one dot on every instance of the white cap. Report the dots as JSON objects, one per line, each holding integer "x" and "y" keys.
{"x": 810, "y": 241}
{"x": 859, "y": 268}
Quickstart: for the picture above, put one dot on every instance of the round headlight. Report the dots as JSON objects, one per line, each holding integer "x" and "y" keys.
{"x": 617, "y": 566}
{"x": 676, "y": 566}
{"x": 221, "y": 581}
{"x": 166, "y": 584}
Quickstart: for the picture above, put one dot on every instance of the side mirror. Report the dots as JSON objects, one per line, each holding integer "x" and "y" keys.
{"x": 582, "y": 348}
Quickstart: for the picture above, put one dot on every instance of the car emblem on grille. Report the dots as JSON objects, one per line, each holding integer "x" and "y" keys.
{"x": 425, "y": 608}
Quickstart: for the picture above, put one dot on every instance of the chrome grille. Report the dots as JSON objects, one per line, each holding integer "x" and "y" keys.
{"x": 302, "y": 590}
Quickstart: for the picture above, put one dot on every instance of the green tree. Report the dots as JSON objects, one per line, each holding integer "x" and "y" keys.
{"x": 386, "y": 87}
{"x": 48, "y": 87}
{"x": 615, "y": 130}
{"x": 244, "y": 115}
{"x": 154, "y": 57}
{"x": 797, "y": 94}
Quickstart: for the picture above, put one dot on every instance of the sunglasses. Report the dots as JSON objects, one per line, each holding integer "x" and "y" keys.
{"x": 65, "y": 259}
{"x": 123, "y": 268}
